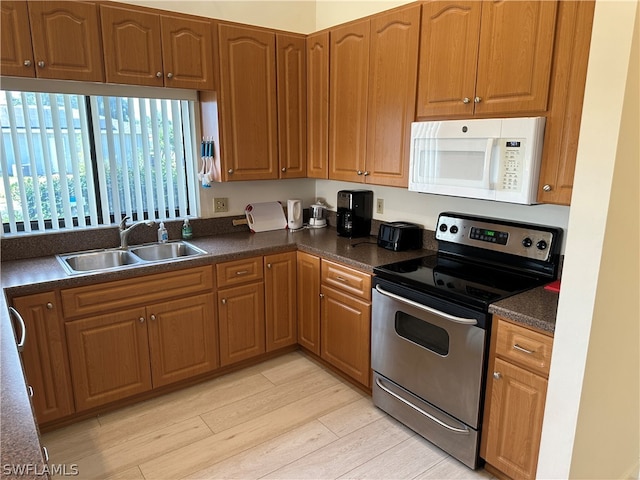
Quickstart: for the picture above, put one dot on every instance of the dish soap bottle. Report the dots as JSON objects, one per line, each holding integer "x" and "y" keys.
{"x": 163, "y": 236}
{"x": 187, "y": 234}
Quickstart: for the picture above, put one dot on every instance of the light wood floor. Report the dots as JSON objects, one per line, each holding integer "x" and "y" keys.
{"x": 285, "y": 418}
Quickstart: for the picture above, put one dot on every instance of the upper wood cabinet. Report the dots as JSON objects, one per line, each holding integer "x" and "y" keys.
{"x": 372, "y": 97}
{"x": 292, "y": 105}
{"x": 562, "y": 129}
{"x": 485, "y": 58}
{"x": 247, "y": 103}
{"x": 64, "y": 40}
{"x": 318, "y": 105}
{"x": 145, "y": 48}
{"x": 16, "y": 52}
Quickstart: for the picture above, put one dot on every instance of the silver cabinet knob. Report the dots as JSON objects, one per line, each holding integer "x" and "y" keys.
{"x": 359, "y": 172}
{"x": 367, "y": 173}
{"x": 224, "y": 301}
{"x": 322, "y": 295}
{"x": 477, "y": 100}
{"x": 41, "y": 64}
{"x": 547, "y": 188}
{"x": 169, "y": 75}
{"x": 141, "y": 319}
{"x": 30, "y": 390}
{"x": 466, "y": 100}
{"x": 283, "y": 169}
{"x": 27, "y": 63}
{"x": 268, "y": 265}
{"x": 497, "y": 375}
{"x": 158, "y": 74}
{"x": 230, "y": 171}
{"x": 49, "y": 306}
{"x": 153, "y": 317}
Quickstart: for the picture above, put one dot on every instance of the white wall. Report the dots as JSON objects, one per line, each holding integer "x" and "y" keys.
{"x": 331, "y": 12}
{"x": 591, "y": 424}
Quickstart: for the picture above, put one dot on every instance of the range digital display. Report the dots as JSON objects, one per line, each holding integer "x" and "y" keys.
{"x": 486, "y": 235}
{"x": 512, "y": 144}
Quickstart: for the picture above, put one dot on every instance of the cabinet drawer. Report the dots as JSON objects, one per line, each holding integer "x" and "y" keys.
{"x": 519, "y": 345}
{"x": 239, "y": 271}
{"x": 92, "y": 299}
{"x": 346, "y": 279}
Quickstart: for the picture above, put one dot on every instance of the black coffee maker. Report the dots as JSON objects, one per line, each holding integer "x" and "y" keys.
{"x": 355, "y": 209}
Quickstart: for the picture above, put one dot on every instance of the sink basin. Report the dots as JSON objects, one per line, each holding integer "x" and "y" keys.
{"x": 114, "y": 259}
{"x": 166, "y": 251}
{"x": 100, "y": 260}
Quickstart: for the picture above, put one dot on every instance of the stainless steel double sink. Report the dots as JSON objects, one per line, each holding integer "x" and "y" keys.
{"x": 116, "y": 258}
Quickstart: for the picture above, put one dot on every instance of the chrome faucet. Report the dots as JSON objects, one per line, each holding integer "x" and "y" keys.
{"x": 124, "y": 232}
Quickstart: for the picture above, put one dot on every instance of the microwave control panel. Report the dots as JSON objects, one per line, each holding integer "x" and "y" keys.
{"x": 510, "y": 176}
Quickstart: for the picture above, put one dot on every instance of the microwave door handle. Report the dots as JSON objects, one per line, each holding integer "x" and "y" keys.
{"x": 486, "y": 175}
{"x": 452, "y": 318}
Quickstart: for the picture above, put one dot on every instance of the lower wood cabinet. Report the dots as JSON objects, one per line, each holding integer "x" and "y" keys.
{"x": 334, "y": 315}
{"x": 516, "y": 394}
{"x": 44, "y": 356}
{"x": 117, "y": 355}
{"x": 280, "y": 276}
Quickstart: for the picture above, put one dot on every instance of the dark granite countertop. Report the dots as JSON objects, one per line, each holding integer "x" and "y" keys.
{"x": 20, "y": 443}
{"x": 535, "y": 308}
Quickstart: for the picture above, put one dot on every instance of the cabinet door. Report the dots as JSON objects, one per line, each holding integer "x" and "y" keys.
{"x": 292, "y": 105}
{"x": 280, "y": 300}
{"x": 562, "y": 129}
{"x": 248, "y": 103}
{"x": 16, "y": 54}
{"x": 187, "y": 52}
{"x": 318, "y": 105}
{"x": 346, "y": 332}
{"x": 348, "y": 93}
{"x": 514, "y": 62}
{"x": 241, "y": 322}
{"x": 183, "y": 339}
{"x": 66, "y": 40}
{"x": 309, "y": 301}
{"x": 392, "y": 96}
{"x": 448, "y": 58}
{"x": 515, "y": 420}
{"x": 109, "y": 357}
{"x": 132, "y": 46}
{"x": 44, "y": 356}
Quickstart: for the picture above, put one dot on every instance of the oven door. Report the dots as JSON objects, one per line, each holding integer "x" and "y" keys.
{"x": 431, "y": 348}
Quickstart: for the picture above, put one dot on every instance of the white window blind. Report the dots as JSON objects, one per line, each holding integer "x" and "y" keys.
{"x": 77, "y": 161}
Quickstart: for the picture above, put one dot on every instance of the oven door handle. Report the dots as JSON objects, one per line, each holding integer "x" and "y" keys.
{"x": 419, "y": 410}
{"x": 453, "y": 318}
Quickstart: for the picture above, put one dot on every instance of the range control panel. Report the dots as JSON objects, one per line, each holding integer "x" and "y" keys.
{"x": 522, "y": 239}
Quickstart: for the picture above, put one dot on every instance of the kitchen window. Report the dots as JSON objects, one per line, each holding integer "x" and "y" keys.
{"x": 74, "y": 160}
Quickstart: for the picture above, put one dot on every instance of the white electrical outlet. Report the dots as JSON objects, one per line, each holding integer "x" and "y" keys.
{"x": 380, "y": 206}
{"x": 220, "y": 205}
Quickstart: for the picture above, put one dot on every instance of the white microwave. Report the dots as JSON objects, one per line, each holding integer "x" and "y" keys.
{"x": 490, "y": 159}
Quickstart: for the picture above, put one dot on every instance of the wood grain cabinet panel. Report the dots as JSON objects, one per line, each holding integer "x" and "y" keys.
{"x": 16, "y": 52}
{"x": 133, "y": 48}
{"x": 183, "y": 339}
{"x": 280, "y": 300}
{"x": 515, "y": 397}
{"x": 485, "y": 58}
{"x": 318, "y": 105}
{"x": 345, "y": 334}
{"x": 292, "y": 105}
{"x": 348, "y": 90}
{"x": 109, "y": 357}
{"x": 308, "y": 267}
{"x": 66, "y": 40}
{"x": 44, "y": 357}
{"x": 247, "y": 103}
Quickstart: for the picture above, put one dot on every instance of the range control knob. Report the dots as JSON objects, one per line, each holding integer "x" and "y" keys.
{"x": 527, "y": 242}
{"x": 453, "y": 229}
{"x": 541, "y": 245}
{"x": 443, "y": 227}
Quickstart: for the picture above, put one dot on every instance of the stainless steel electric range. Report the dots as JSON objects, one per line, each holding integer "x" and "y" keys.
{"x": 431, "y": 323}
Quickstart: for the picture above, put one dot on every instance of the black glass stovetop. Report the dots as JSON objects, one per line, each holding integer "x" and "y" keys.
{"x": 451, "y": 278}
